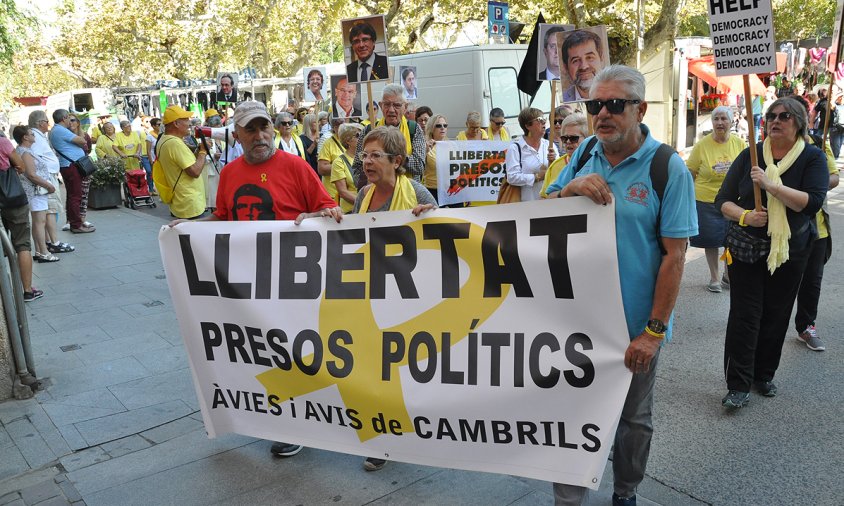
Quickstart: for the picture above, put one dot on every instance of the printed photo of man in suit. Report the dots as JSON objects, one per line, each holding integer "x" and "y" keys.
{"x": 366, "y": 64}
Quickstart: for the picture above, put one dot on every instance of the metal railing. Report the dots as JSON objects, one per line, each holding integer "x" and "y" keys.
{"x": 11, "y": 291}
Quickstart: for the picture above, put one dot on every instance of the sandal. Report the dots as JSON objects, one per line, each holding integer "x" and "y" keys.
{"x": 60, "y": 247}
{"x": 45, "y": 258}
{"x": 83, "y": 230}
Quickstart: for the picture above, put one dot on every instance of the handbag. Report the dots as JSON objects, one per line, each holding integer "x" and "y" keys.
{"x": 508, "y": 194}
{"x": 84, "y": 165}
{"x": 745, "y": 247}
{"x": 11, "y": 190}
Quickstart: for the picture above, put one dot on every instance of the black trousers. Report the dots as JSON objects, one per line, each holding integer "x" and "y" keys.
{"x": 760, "y": 308}
{"x": 810, "y": 287}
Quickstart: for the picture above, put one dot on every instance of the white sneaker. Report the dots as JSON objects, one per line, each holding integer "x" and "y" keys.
{"x": 88, "y": 224}
{"x": 66, "y": 227}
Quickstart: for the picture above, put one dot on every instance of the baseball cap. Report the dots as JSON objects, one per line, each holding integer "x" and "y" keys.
{"x": 211, "y": 112}
{"x": 247, "y": 111}
{"x": 174, "y": 112}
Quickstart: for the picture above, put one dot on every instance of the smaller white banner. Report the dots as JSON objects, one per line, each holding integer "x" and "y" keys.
{"x": 470, "y": 171}
{"x": 742, "y": 37}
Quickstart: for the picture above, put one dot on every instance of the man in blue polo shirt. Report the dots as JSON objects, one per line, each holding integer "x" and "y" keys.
{"x": 619, "y": 170}
{"x": 68, "y": 147}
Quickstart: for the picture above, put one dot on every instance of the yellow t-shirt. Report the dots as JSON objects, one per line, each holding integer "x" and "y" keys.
{"x": 340, "y": 172}
{"x": 331, "y": 149}
{"x": 130, "y": 144}
{"x": 429, "y": 177}
{"x": 553, "y": 171}
{"x": 462, "y": 136}
{"x": 709, "y": 163}
{"x": 189, "y": 192}
{"x": 104, "y": 147}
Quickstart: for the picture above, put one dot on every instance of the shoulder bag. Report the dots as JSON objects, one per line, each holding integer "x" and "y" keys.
{"x": 11, "y": 190}
{"x": 507, "y": 193}
{"x": 84, "y": 165}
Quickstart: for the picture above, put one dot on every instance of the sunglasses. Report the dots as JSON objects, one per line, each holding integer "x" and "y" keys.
{"x": 570, "y": 138}
{"x": 783, "y": 116}
{"x": 499, "y": 123}
{"x": 285, "y": 123}
{"x": 541, "y": 120}
{"x": 614, "y": 105}
{"x": 441, "y": 125}
{"x": 558, "y": 122}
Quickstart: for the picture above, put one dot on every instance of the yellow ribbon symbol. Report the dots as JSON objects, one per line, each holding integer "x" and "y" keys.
{"x": 264, "y": 177}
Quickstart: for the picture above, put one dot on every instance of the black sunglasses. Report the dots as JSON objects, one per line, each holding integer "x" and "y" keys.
{"x": 569, "y": 138}
{"x": 559, "y": 121}
{"x": 285, "y": 123}
{"x": 614, "y": 105}
{"x": 783, "y": 116}
{"x": 441, "y": 125}
{"x": 499, "y": 123}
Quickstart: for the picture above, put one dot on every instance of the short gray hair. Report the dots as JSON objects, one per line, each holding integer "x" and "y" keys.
{"x": 393, "y": 90}
{"x": 348, "y": 131}
{"x": 725, "y": 109}
{"x": 632, "y": 79}
{"x": 577, "y": 120}
{"x": 36, "y": 117}
{"x": 308, "y": 121}
{"x": 282, "y": 116}
{"x": 473, "y": 116}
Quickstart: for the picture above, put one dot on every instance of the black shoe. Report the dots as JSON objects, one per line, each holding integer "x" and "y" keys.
{"x": 765, "y": 388}
{"x": 280, "y": 449}
{"x": 735, "y": 399}
{"x": 373, "y": 464}
{"x": 617, "y": 500}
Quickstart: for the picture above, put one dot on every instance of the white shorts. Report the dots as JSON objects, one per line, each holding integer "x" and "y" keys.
{"x": 38, "y": 203}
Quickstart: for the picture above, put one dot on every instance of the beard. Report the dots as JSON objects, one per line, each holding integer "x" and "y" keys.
{"x": 254, "y": 157}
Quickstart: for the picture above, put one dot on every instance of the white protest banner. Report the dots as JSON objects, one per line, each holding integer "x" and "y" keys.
{"x": 742, "y": 34}
{"x": 487, "y": 339}
{"x": 470, "y": 171}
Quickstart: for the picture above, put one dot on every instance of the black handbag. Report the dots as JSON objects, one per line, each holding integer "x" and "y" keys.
{"x": 745, "y": 247}
{"x": 84, "y": 165}
{"x": 11, "y": 190}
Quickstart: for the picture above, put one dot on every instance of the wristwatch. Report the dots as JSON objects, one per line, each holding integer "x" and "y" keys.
{"x": 657, "y": 326}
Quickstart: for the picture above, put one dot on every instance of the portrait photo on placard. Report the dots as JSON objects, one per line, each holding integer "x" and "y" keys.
{"x": 345, "y": 98}
{"x": 583, "y": 53}
{"x": 547, "y": 58}
{"x": 407, "y": 77}
{"x": 316, "y": 84}
{"x": 365, "y": 48}
{"x": 227, "y": 87}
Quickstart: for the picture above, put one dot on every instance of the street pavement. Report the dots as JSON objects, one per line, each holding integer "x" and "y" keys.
{"x": 118, "y": 422}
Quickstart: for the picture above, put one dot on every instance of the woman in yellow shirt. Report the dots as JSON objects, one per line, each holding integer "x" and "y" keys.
{"x": 574, "y": 129}
{"x": 436, "y": 130}
{"x": 342, "y": 188}
{"x": 473, "y": 131}
{"x": 127, "y": 145}
{"x": 105, "y": 142}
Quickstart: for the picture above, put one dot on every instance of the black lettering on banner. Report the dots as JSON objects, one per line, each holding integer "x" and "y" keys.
{"x": 447, "y": 233}
{"x": 228, "y": 289}
{"x": 400, "y": 266}
{"x": 561, "y": 433}
{"x": 526, "y": 431}
{"x": 417, "y": 427}
{"x": 519, "y": 360}
{"x": 195, "y": 285}
{"x": 311, "y": 336}
{"x": 276, "y": 338}
{"x": 211, "y": 336}
{"x": 444, "y": 430}
{"x": 543, "y": 340}
{"x": 388, "y": 356}
{"x": 336, "y": 262}
{"x": 500, "y": 238}
{"x": 235, "y": 341}
{"x": 257, "y": 346}
{"x": 335, "y": 346}
{"x": 549, "y": 438}
{"x": 495, "y": 341}
{"x": 557, "y": 229}
{"x": 578, "y": 359}
{"x": 275, "y": 407}
{"x": 354, "y": 422}
{"x": 589, "y": 431}
{"x": 449, "y": 377}
{"x": 418, "y": 340}
{"x": 289, "y": 264}
{"x": 723, "y": 6}
{"x": 501, "y": 432}
{"x": 472, "y": 373}
{"x": 264, "y": 265}
{"x": 470, "y": 433}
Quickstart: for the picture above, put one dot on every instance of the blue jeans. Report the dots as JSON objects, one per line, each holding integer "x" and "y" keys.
{"x": 757, "y": 125}
{"x": 835, "y": 137}
{"x": 148, "y": 169}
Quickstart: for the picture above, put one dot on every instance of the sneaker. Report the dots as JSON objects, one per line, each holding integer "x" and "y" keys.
{"x": 66, "y": 227}
{"x": 735, "y": 399}
{"x": 617, "y": 500}
{"x": 87, "y": 223}
{"x": 280, "y": 449}
{"x": 725, "y": 281}
{"x": 34, "y": 294}
{"x": 810, "y": 337}
{"x": 765, "y": 388}
{"x": 714, "y": 287}
{"x": 373, "y": 464}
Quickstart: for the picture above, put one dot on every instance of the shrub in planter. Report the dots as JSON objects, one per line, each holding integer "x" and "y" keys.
{"x": 110, "y": 172}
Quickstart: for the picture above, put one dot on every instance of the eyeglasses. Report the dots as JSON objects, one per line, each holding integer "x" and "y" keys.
{"x": 43, "y": 121}
{"x": 391, "y": 105}
{"x": 361, "y": 40}
{"x": 499, "y": 123}
{"x": 783, "y": 116}
{"x": 441, "y": 125}
{"x": 614, "y": 105}
{"x": 285, "y": 123}
{"x": 541, "y": 120}
{"x": 569, "y": 138}
{"x": 558, "y": 122}
{"x": 74, "y": 120}
{"x": 374, "y": 156}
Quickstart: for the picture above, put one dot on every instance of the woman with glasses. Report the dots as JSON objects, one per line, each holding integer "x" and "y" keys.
{"x": 423, "y": 114}
{"x": 76, "y": 128}
{"x": 127, "y": 144}
{"x": 574, "y": 130}
{"x": 710, "y": 159}
{"x": 767, "y": 250}
{"x": 36, "y": 183}
{"x": 497, "y": 131}
{"x": 105, "y": 142}
{"x": 473, "y": 131}
{"x": 436, "y": 131}
{"x": 560, "y": 114}
{"x": 529, "y": 156}
{"x": 342, "y": 188}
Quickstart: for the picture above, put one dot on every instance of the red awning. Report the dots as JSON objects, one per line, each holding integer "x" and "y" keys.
{"x": 704, "y": 68}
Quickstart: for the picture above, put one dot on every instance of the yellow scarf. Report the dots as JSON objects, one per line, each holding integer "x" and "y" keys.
{"x": 778, "y": 228}
{"x": 503, "y": 133}
{"x": 405, "y": 130}
{"x": 404, "y": 196}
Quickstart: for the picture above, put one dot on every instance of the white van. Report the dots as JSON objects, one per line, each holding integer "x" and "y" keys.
{"x": 81, "y": 100}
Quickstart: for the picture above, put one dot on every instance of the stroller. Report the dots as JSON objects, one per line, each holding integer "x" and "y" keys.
{"x": 135, "y": 190}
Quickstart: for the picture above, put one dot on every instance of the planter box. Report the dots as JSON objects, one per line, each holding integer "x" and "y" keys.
{"x": 104, "y": 198}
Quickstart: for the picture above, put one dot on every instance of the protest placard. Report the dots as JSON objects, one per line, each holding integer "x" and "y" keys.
{"x": 742, "y": 34}
{"x": 470, "y": 171}
{"x": 481, "y": 338}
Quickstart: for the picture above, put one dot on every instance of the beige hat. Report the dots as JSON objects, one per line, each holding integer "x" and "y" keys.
{"x": 247, "y": 111}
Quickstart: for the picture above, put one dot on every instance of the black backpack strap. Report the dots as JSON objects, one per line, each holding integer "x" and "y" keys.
{"x": 659, "y": 180}
{"x": 585, "y": 155}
